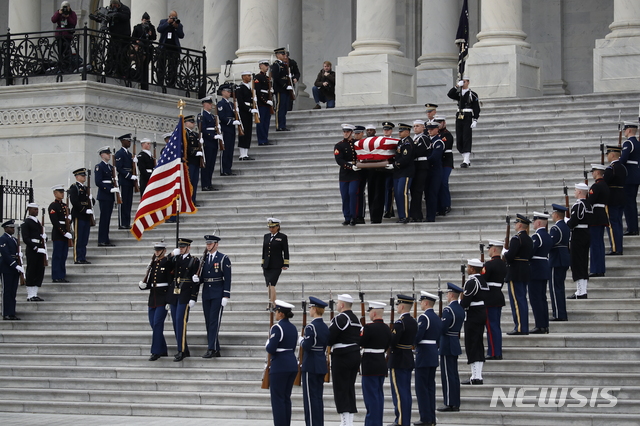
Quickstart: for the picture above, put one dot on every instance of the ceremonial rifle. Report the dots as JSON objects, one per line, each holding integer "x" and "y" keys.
{"x": 363, "y": 320}
{"x": 481, "y": 251}
{"x": 155, "y": 153}
{"x": 92, "y": 218}
{"x": 254, "y": 101}
{"x": 566, "y": 199}
{"x": 391, "y": 319}
{"x": 619, "y": 128}
{"x": 298, "y": 380}
{"x": 19, "y": 259}
{"x": 292, "y": 92}
{"x": 203, "y": 161}
{"x": 235, "y": 112}
{"x": 439, "y": 297}
{"x": 415, "y": 305}
{"x": 267, "y": 367}
{"x": 114, "y": 178}
{"x": 270, "y": 94}
{"x": 146, "y": 276}
{"x": 462, "y": 270}
{"x": 218, "y": 129}
{"x": 136, "y": 187}
{"x": 507, "y": 237}
{"x": 327, "y": 377}
{"x": 43, "y": 241}
{"x": 601, "y": 151}
{"x": 67, "y": 221}
{"x": 586, "y": 174}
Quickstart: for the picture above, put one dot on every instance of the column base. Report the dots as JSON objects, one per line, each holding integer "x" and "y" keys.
{"x": 375, "y": 80}
{"x": 555, "y": 87}
{"x": 433, "y": 85}
{"x": 504, "y": 72}
{"x": 615, "y": 65}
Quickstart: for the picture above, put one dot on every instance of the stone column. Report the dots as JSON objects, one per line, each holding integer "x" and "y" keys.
{"x": 546, "y": 34}
{"x": 258, "y": 34}
{"x": 375, "y": 72}
{"x": 157, "y": 9}
{"x": 502, "y": 64}
{"x": 437, "y": 66}
{"x": 290, "y": 34}
{"x": 616, "y": 58}
{"x": 24, "y": 16}
{"x": 220, "y": 33}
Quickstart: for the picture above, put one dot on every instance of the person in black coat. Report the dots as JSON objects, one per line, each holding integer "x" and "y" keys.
{"x": 540, "y": 272}
{"x": 209, "y": 138}
{"x": 228, "y": 125}
{"x": 345, "y": 156}
{"x": 494, "y": 272}
{"x": 281, "y": 88}
{"x": 517, "y": 257}
{"x": 126, "y": 180}
{"x": 452, "y": 320}
{"x": 314, "y": 363}
{"x": 403, "y": 171}
{"x": 146, "y": 164}
{"x": 262, "y": 84}
{"x": 244, "y": 99}
{"x": 435, "y": 150}
{"x": 444, "y": 195}
{"x": 426, "y": 344}
{"x": 104, "y": 181}
{"x": 119, "y": 25}
{"x": 580, "y": 241}
{"x": 559, "y": 262}
{"x": 466, "y": 118}
{"x": 324, "y": 88}
{"x": 145, "y": 33}
{"x": 473, "y": 296}
{"x": 34, "y": 237}
{"x": 275, "y": 256}
{"x": 598, "y": 199}
{"x": 171, "y": 31}
{"x": 421, "y": 169}
{"x": 81, "y": 215}
{"x": 194, "y": 154}
{"x": 615, "y": 176}
{"x": 10, "y": 269}
{"x": 59, "y": 215}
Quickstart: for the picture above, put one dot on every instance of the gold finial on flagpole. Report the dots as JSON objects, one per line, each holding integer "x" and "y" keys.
{"x": 181, "y": 105}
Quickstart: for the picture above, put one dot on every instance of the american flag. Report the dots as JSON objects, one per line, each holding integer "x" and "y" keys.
{"x": 462, "y": 38}
{"x": 169, "y": 180}
{"x": 376, "y": 148}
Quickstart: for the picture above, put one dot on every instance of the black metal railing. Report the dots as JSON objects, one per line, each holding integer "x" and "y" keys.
{"x": 90, "y": 52}
{"x": 14, "y": 197}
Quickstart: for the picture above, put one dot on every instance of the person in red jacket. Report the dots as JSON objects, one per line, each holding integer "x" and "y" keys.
{"x": 65, "y": 20}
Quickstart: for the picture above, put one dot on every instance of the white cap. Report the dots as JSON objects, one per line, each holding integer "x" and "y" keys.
{"x": 59, "y": 187}
{"x": 345, "y": 298}
{"x": 538, "y": 215}
{"x": 370, "y": 127}
{"x": 273, "y": 221}
{"x": 426, "y": 295}
{"x": 420, "y": 122}
{"x": 376, "y": 305}
{"x": 106, "y": 148}
{"x": 282, "y": 304}
{"x": 246, "y": 73}
{"x": 581, "y": 186}
{"x": 466, "y": 77}
{"x": 32, "y": 206}
{"x": 598, "y": 167}
{"x": 497, "y": 243}
{"x": 439, "y": 118}
{"x": 348, "y": 127}
{"x": 475, "y": 262}
{"x": 145, "y": 140}
{"x": 167, "y": 135}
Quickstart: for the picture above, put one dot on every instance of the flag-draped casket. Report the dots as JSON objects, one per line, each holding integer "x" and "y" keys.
{"x": 375, "y": 151}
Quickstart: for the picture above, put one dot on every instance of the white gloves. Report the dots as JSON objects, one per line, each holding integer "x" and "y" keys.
{"x": 68, "y": 235}
{"x": 219, "y": 137}
{"x": 289, "y": 87}
{"x": 69, "y": 217}
{"x": 355, "y": 168}
{"x": 504, "y": 250}
{"x": 270, "y": 102}
{"x": 224, "y": 302}
{"x": 42, "y": 251}
{"x": 473, "y": 124}
{"x": 236, "y": 123}
{"x": 20, "y": 269}
{"x": 176, "y": 251}
{"x": 195, "y": 278}
{"x": 300, "y": 340}
{"x": 566, "y": 220}
{"x": 201, "y": 141}
{"x": 199, "y": 154}
{"x": 254, "y": 111}
{"x": 142, "y": 285}
{"x": 114, "y": 190}
{"x": 20, "y": 255}
{"x": 192, "y": 303}
{"x": 460, "y": 83}
{"x": 167, "y": 307}
{"x": 135, "y": 160}
{"x": 43, "y": 236}
{"x": 389, "y": 167}
{"x": 89, "y": 211}
{"x": 271, "y": 90}
{"x": 134, "y": 177}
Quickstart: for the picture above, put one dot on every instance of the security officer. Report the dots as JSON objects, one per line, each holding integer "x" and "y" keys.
{"x": 275, "y": 256}
{"x": 216, "y": 291}
{"x": 81, "y": 214}
{"x": 146, "y": 164}
{"x": 615, "y": 176}
{"x": 466, "y": 118}
{"x": 244, "y": 97}
{"x": 34, "y": 237}
{"x": 228, "y": 123}
{"x": 106, "y": 198}
{"x": 403, "y": 171}
{"x": 473, "y": 296}
{"x": 426, "y": 343}
{"x": 126, "y": 180}
{"x": 444, "y": 195}
{"x": 186, "y": 286}
{"x": 60, "y": 234}
{"x": 435, "y": 151}
{"x": 209, "y": 140}
{"x": 598, "y": 199}
{"x": 580, "y": 241}
{"x": 263, "y": 89}
{"x": 421, "y": 167}
{"x": 314, "y": 363}
{"x": 284, "y": 367}
{"x": 401, "y": 361}
{"x": 517, "y": 257}
{"x": 11, "y": 269}
{"x": 630, "y": 158}
{"x": 559, "y": 262}
{"x": 281, "y": 87}
{"x": 344, "y": 338}
{"x": 194, "y": 154}
{"x": 345, "y": 156}
{"x": 387, "y": 132}
{"x": 452, "y": 320}
{"x": 375, "y": 340}
{"x": 494, "y": 272}
{"x": 540, "y": 272}
{"x": 159, "y": 275}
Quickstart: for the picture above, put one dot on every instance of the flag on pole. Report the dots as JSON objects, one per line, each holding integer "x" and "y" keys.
{"x": 462, "y": 38}
{"x": 169, "y": 180}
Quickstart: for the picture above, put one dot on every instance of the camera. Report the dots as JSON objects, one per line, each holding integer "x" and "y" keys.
{"x": 66, "y": 10}
{"x": 103, "y": 14}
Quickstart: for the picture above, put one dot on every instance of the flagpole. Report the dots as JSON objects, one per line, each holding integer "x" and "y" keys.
{"x": 181, "y": 105}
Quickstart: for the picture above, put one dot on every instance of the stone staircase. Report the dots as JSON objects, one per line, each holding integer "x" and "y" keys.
{"x": 84, "y": 350}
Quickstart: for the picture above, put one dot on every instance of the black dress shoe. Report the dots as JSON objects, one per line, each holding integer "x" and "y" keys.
{"x": 209, "y": 354}
{"x": 247, "y": 158}
{"x": 472, "y": 382}
{"x": 106, "y": 245}
{"x": 216, "y": 354}
{"x": 403, "y": 221}
{"x": 345, "y": 223}
{"x": 388, "y": 215}
{"x": 360, "y": 220}
{"x": 124, "y": 227}
{"x": 463, "y": 166}
{"x": 37, "y": 299}
{"x": 517, "y": 333}
{"x": 613, "y": 253}
{"x": 207, "y": 188}
{"x": 180, "y": 356}
{"x": 154, "y": 357}
{"x": 575, "y": 296}
{"x": 558, "y": 319}
{"x": 541, "y": 330}
{"x": 197, "y": 205}
{"x": 494, "y": 358}
{"x": 264, "y": 144}
{"x": 352, "y": 222}
{"x": 448, "y": 408}
{"x": 11, "y": 318}
{"x": 596, "y": 275}
{"x": 423, "y": 424}
{"x": 448, "y": 210}
{"x": 628, "y": 234}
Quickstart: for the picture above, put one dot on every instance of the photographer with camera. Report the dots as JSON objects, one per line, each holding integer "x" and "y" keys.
{"x": 171, "y": 32}
{"x": 144, "y": 33}
{"x": 118, "y": 21}
{"x": 65, "y": 20}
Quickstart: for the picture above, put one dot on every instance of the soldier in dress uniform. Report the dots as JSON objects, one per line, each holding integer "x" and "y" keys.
{"x": 244, "y": 97}
{"x": 209, "y": 140}
{"x": 559, "y": 262}
{"x": 262, "y": 87}
{"x": 159, "y": 275}
{"x": 435, "y": 151}
{"x": 598, "y": 199}
{"x": 426, "y": 343}
{"x": 281, "y": 87}
{"x": 421, "y": 169}
{"x": 216, "y": 291}
{"x": 59, "y": 215}
{"x": 452, "y": 320}
{"x": 403, "y": 171}
{"x": 194, "y": 153}
{"x": 401, "y": 361}
{"x": 494, "y": 272}
{"x": 375, "y": 340}
{"x": 106, "y": 198}
{"x": 284, "y": 367}
{"x": 126, "y": 179}
{"x": 146, "y": 164}
{"x": 444, "y": 195}
{"x": 81, "y": 214}
{"x": 540, "y": 272}
{"x": 34, "y": 237}
{"x": 344, "y": 338}
{"x": 314, "y": 363}
{"x": 275, "y": 256}
{"x": 186, "y": 286}
{"x": 473, "y": 296}
{"x": 228, "y": 125}
{"x": 363, "y": 175}
{"x": 580, "y": 241}
{"x": 630, "y": 158}
{"x": 387, "y": 132}
{"x": 431, "y": 110}
{"x": 377, "y": 184}
{"x": 615, "y": 176}
{"x": 466, "y": 118}
{"x": 345, "y": 156}
{"x": 518, "y": 274}
{"x": 10, "y": 269}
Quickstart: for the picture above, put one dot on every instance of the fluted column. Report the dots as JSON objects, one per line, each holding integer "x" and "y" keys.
{"x": 24, "y": 16}
{"x": 501, "y": 24}
{"x": 258, "y": 30}
{"x": 220, "y": 32}
{"x": 157, "y": 10}
{"x": 376, "y": 28}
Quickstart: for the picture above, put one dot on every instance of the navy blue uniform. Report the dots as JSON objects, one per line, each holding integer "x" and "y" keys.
{"x": 615, "y": 176}
{"x": 426, "y": 343}
{"x": 193, "y": 160}
{"x": 80, "y": 202}
{"x": 630, "y": 158}
{"x": 403, "y": 171}
{"x": 419, "y": 181}
{"x": 468, "y": 111}
{"x": 475, "y": 292}
{"x": 215, "y": 279}
{"x": 227, "y": 117}
{"x": 31, "y": 236}
{"x": 444, "y": 195}
{"x": 452, "y": 320}
{"x": 261, "y": 86}
{"x": 314, "y": 368}
{"x": 434, "y": 176}
{"x": 494, "y": 272}
{"x": 103, "y": 180}
{"x": 598, "y": 199}
{"x": 185, "y": 267}
{"x": 124, "y": 167}
{"x": 58, "y": 212}
{"x": 540, "y": 273}
{"x": 375, "y": 340}
{"x": 10, "y": 275}
{"x": 160, "y": 295}
{"x": 518, "y": 276}
{"x": 580, "y": 239}
{"x": 344, "y": 338}
{"x": 280, "y": 78}
{"x": 208, "y": 134}
{"x": 345, "y": 156}
{"x": 146, "y": 164}
{"x": 244, "y": 99}
{"x": 559, "y": 262}
{"x": 275, "y": 256}
{"x": 283, "y": 371}
{"x": 401, "y": 363}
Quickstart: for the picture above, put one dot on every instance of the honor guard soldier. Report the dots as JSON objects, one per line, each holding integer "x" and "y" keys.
{"x": 431, "y": 111}
{"x": 194, "y": 153}
{"x": 209, "y": 140}
{"x": 244, "y": 97}
{"x": 186, "y": 286}
{"x": 146, "y": 164}
{"x": 401, "y": 361}
{"x": 559, "y": 262}
{"x": 494, "y": 272}
{"x": 284, "y": 367}
{"x": 314, "y": 363}
{"x": 387, "y": 132}
{"x": 466, "y": 118}
{"x": 403, "y": 171}
{"x": 81, "y": 215}
{"x": 580, "y": 241}
{"x": 262, "y": 86}
{"x": 281, "y": 87}
{"x": 444, "y": 195}
{"x": 34, "y": 237}
{"x": 344, "y": 338}
{"x": 11, "y": 269}
{"x": 345, "y": 156}
{"x": 375, "y": 340}
{"x": 275, "y": 256}
{"x": 540, "y": 272}
{"x": 473, "y": 296}
{"x": 126, "y": 180}
{"x": 435, "y": 151}
{"x": 518, "y": 274}
{"x": 421, "y": 169}
{"x": 216, "y": 291}
{"x": 60, "y": 234}
{"x": 598, "y": 199}
{"x": 159, "y": 275}
{"x": 228, "y": 123}
{"x": 358, "y": 133}
{"x": 106, "y": 198}
{"x": 426, "y": 343}
{"x": 630, "y": 158}
{"x": 615, "y": 176}
{"x": 452, "y": 320}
